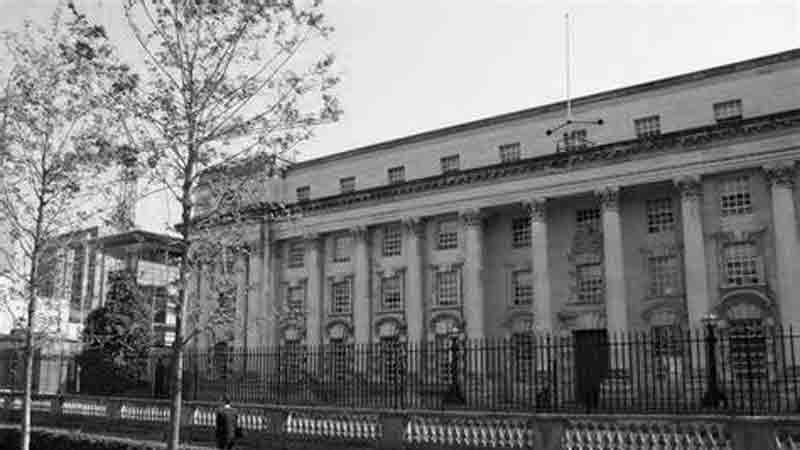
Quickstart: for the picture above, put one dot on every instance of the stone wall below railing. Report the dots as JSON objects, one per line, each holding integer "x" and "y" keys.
{"x": 324, "y": 428}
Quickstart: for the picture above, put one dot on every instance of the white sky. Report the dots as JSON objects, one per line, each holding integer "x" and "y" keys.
{"x": 415, "y": 65}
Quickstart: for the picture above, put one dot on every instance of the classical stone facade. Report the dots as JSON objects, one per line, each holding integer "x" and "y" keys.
{"x": 682, "y": 203}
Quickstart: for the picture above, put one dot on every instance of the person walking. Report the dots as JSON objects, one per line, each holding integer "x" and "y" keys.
{"x": 227, "y": 427}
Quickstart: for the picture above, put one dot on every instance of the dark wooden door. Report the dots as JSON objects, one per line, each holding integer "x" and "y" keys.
{"x": 591, "y": 365}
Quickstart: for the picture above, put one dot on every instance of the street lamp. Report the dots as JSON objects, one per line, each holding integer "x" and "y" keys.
{"x": 713, "y": 396}
{"x": 454, "y": 396}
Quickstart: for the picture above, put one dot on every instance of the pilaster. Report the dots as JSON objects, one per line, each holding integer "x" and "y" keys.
{"x": 361, "y": 304}
{"x": 542, "y": 295}
{"x": 615, "y": 292}
{"x": 313, "y": 264}
{"x": 781, "y": 176}
{"x": 473, "y": 274}
{"x": 694, "y": 261}
{"x": 414, "y": 233}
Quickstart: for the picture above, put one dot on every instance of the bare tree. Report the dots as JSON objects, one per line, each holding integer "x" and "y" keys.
{"x": 53, "y": 155}
{"x": 230, "y": 85}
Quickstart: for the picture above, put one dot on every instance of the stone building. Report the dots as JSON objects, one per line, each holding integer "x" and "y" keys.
{"x": 682, "y": 203}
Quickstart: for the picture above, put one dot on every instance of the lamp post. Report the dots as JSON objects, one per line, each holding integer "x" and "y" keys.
{"x": 713, "y": 396}
{"x": 454, "y": 396}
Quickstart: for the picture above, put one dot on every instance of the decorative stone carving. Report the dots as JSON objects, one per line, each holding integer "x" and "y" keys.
{"x": 781, "y": 173}
{"x": 537, "y": 208}
{"x": 690, "y": 187}
{"x": 472, "y": 217}
{"x": 415, "y": 225}
{"x": 358, "y": 232}
{"x": 609, "y": 198}
{"x": 311, "y": 237}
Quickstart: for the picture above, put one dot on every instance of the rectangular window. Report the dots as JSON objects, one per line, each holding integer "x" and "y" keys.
{"x": 664, "y": 275}
{"x": 730, "y": 110}
{"x": 660, "y": 218}
{"x": 392, "y": 293}
{"x": 588, "y": 219}
{"x": 590, "y": 283}
{"x": 392, "y": 240}
{"x": 447, "y": 288}
{"x": 510, "y": 152}
{"x": 521, "y": 232}
{"x": 303, "y": 193}
{"x": 522, "y": 284}
{"x": 742, "y": 264}
{"x": 735, "y": 196}
{"x": 450, "y": 164}
{"x": 296, "y": 298}
{"x": 341, "y": 295}
{"x": 447, "y": 235}
{"x": 296, "y": 254}
{"x": 575, "y": 140}
{"x": 647, "y": 126}
{"x": 397, "y": 174}
{"x": 524, "y": 348}
{"x": 347, "y": 184}
{"x": 667, "y": 348}
{"x": 342, "y": 247}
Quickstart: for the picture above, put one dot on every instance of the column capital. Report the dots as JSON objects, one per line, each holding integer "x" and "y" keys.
{"x": 536, "y": 208}
{"x": 472, "y": 217}
{"x": 781, "y": 173}
{"x": 358, "y": 232}
{"x": 609, "y": 198}
{"x": 414, "y": 225}
{"x": 311, "y": 237}
{"x": 690, "y": 186}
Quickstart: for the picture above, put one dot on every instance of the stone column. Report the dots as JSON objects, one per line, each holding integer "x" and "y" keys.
{"x": 85, "y": 294}
{"x": 268, "y": 286}
{"x": 313, "y": 266}
{"x": 240, "y": 274}
{"x": 694, "y": 254}
{"x": 542, "y": 296}
{"x": 472, "y": 275}
{"x": 615, "y": 292}
{"x": 254, "y": 321}
{"x": 361, "y": 305}
{"x": 414, "y": 232}
{"x": 784, "y": 221}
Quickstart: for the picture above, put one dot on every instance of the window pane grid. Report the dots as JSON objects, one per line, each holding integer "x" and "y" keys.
{"x": 392, "y": 241}
{"x": 347, "y": 184}
{"x": 521, "y": 232}
{"x": 588, "y": 219}
{"x": 647, "y": 126}
{"x": 660, "y": 216}
{"x": 522, "y": 282}
{"x": 450, "y": 163}
{"x": 447, "y": 237}
{"x": 447, "y": 289}
{"x": 397, "y": 174}
{"x": 391, "y": 293}
{"x": 296, "y": 253}
{"x": 735, "y": 196}
{"x": 664, "y": 275}
{"x": 510, "y": 152}
{"x": 748, "y": 348}
{"x": 590, "y": 283}
{"x": 340, "y": 293}
{"x": 728, "y": 110}
{"x": 742, "y": 264}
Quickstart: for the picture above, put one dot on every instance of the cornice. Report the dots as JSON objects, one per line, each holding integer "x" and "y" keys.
{"x": 683, "y": 140}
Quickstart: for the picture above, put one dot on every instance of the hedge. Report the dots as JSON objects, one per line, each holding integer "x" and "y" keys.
{"x": 47, "y": 439}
